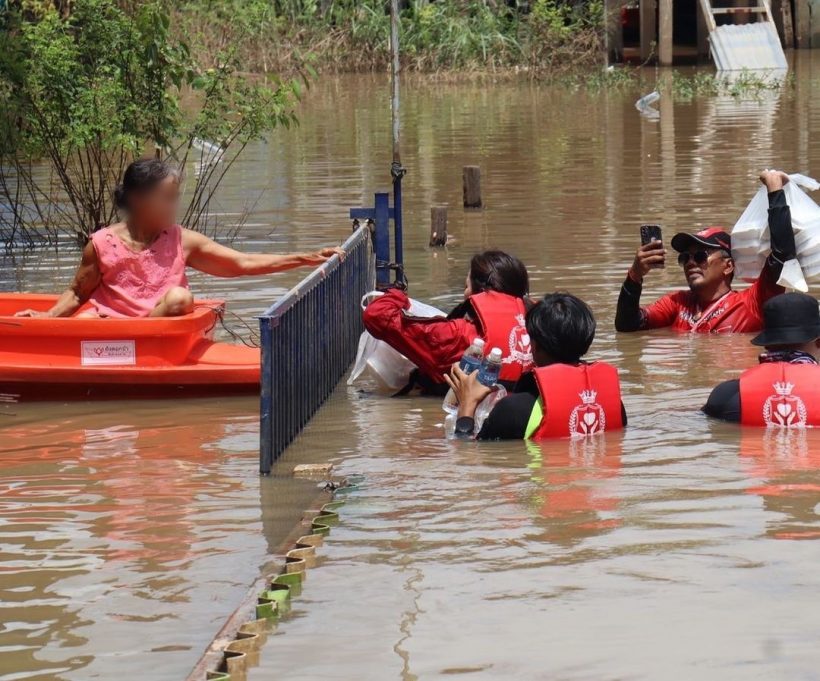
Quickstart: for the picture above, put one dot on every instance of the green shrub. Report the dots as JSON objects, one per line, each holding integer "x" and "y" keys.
{"x": 87, "y": 93}
{"x": 352, "y": 35}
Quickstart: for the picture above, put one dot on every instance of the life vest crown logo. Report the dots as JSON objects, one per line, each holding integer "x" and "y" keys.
{"x": 783, "y": 388}
{"x": 784, "y": 410}
{"x": 520, "y": 346}
{"x": 588, "y": 417}
{"x": 589, "y": 396}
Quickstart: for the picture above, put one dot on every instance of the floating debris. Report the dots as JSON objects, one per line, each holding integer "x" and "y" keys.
{"x": 312, "y": 470}
{"x": 644, "y": 105}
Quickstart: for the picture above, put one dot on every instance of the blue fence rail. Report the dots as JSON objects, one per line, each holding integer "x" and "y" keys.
{"x": 309, "y": 339}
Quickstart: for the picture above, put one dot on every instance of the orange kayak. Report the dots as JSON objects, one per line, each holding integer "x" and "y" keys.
{"x": 47, "y": 358}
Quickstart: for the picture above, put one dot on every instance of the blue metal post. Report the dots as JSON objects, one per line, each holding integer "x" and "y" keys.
{"x": 381, "y": 214}
{"x": 382, "y": 239}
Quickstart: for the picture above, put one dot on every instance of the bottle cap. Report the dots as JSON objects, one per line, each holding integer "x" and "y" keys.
{"x": 495, "y": 354}
{"x": 479, "y": 342}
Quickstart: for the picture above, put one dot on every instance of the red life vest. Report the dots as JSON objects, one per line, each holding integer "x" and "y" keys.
{"x": 780, "y": 395}
{"x": 578, "y": 400}
{"x": 502, "y": 324}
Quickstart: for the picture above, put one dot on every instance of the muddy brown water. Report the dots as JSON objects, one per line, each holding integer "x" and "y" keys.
{"x": 677, "y": 549}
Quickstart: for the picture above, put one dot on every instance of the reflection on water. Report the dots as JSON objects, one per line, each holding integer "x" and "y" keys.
{"x": 617, "y": 558}
{"x": 126, "y": 532}
{"x": 668, "y": 551}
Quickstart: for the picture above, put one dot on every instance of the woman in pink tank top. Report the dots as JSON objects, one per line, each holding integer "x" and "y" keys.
{"x": 137, "y": 268}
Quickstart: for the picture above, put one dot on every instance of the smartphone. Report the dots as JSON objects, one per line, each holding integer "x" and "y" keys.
{"x": 650, "y": 233}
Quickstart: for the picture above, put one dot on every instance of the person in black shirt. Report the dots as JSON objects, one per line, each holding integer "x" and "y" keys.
{"x": 791, "y": 337}
{"x": 561, "y": 329}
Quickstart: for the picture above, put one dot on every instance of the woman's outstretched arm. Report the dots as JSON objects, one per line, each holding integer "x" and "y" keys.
{"x": 85, "y": 281}
{"x": 207, "y": 256}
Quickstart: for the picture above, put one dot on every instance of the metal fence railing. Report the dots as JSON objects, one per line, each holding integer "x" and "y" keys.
{"x": 309, "y": 339}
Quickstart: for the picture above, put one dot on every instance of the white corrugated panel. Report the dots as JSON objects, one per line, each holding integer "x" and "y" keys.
{"x": 747, "y": 46}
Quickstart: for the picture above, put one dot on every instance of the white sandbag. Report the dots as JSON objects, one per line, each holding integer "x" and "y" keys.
{"x": 383, "y": 369}
{"x": 751, "y": 240}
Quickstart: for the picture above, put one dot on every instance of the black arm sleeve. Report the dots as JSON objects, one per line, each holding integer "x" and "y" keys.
{"x": 509, "y": 419}
{"x": 628, "y": 315}
{"x": 780, "y": 228}
{"x": 724, "y": 402}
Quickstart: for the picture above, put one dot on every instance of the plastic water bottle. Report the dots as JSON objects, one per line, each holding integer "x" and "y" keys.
{"x": 487, "y": 405}
{"x": 471, "y": 361}
{"x": 490, "y": 368}
{"x": 487, "y": 375}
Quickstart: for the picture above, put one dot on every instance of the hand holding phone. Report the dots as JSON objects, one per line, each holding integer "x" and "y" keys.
{"x": 651, "y": 255}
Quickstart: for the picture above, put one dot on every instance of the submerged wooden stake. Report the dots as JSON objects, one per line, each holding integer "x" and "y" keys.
{"x": 665, "y": 39}
{"x": 649, "y": 30}
{"x": 788, "y": 25}
{"x": 438, "y": 226}
{"x": 472, "y": 187}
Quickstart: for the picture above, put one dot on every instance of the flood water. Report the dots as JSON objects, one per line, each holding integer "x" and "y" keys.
{"x": 677, "y": 549}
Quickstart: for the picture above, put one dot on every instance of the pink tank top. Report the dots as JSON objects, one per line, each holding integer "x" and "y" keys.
{"x": 133, "y": 283}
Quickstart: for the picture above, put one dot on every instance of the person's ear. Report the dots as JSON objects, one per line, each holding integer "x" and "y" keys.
{"x": 730, "y": 266}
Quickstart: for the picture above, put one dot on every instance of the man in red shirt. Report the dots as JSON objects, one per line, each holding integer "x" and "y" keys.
{"x": 710, "y": 305}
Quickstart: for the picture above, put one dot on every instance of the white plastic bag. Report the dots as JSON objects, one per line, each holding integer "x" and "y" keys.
{"x": 751, "y": 242}
{"x": 383, "y": 369}
{"x": 481, "y": 413}
{"x": 487, "y": 405}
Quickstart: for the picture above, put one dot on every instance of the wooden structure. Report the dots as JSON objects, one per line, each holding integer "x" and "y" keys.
{"x": 806, "y": 21}
{"x": 677, "y": 31}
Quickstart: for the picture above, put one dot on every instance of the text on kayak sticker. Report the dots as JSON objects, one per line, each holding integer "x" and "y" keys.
{"x": 108, "y": 353}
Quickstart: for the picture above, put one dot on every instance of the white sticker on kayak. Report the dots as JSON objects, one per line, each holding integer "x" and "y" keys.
{"x": 108, "y": 353}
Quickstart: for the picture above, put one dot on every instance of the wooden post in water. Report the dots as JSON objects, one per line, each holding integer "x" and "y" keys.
{"x": 472, "y": 186}
{"x": 649, "y": 31}
{"x": 397, "y": 170}
{"x": 814, "y": 31}
{"x": 666, "y": 40}
{"x": 438, "y": 225}
{"x": 703, "y": 35}
{"x": 786, "y": 24}
{"x": 802, "y": 24}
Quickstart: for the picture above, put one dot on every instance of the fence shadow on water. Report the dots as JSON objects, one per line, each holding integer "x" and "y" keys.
{"x": 309, "y": 339}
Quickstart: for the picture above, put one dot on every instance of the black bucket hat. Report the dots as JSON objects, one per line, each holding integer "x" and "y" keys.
{"x": 711, "y": 237}
{"x": 789, "y": 319}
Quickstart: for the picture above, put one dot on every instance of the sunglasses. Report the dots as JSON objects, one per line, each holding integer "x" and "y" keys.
{"x": 700, "y": 257}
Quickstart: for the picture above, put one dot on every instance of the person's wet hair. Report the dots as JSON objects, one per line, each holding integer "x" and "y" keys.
{"x": 561, "y": 326}
{"x": 142, "y": 176}
{"x": 494, "y": 271}
{"x": 499, "y": 271}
